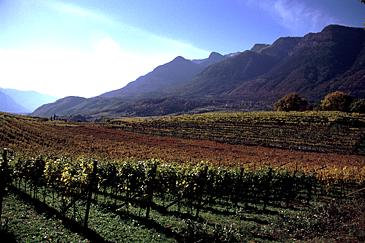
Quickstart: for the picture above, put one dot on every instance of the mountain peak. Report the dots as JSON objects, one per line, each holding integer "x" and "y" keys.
{"x": 179, "y": 58}
{"x": 215, "y": 55}
{"x": 337, "y": 27}
{"x": 281, "y": 47}
{"x": 213, "y": 58}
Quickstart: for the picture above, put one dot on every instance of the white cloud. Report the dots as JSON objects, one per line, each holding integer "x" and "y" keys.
{"x": 75, "y": 10}
{"x": 168, "y": 43}
{"x": 296, "y": 16}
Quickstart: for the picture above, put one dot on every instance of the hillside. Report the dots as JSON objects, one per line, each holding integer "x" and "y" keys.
{"x": 164, "y": 78}
{"x": 147, "y": 95}
{"x": 319, "y": 63}
{"x": 60, "y": 107}
{"x": 313, "y": 65}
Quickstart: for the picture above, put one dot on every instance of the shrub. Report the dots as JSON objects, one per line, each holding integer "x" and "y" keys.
{"x": 291, "y": 102}
{"x": 336, "y": 101}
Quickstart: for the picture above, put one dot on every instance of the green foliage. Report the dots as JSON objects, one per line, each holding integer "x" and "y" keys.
{"x": 26, "y": 224}
{"x": 5, "y": 174}
{"x": 291, "y": 102}
{"x": 358, "y": 106}
{"x": 336, "y": 101}
{"x": 188, "y": 184}
{"x": 124, "y": 188}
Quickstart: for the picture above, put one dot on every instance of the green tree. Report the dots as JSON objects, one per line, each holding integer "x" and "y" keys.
{"x": 291, "y": 102}
{"x": 336, "y": 101}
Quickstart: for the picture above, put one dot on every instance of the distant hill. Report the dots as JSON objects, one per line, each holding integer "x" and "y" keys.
{"x": 164, "y": 78}
{"x": 30, "y": 100}
{"x": 313, "y": 65}
{"x": 62, "y": 106}
{"x": 7, "y": 104}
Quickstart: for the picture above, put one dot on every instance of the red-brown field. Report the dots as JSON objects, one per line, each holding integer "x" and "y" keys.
{"x": 37, "y": 136}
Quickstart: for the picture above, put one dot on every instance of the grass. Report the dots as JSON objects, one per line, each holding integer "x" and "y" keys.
{"x": 26, "y": 224}
{"x": 119, "y": 227}
{"x": 119, "y": 224}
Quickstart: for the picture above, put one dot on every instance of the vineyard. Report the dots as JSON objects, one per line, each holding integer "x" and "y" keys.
{"x": 70, "y": 187}
{"x": 33, "y": 136}
{"x": 308, "y": 131}
{"x": 118, "y": 181}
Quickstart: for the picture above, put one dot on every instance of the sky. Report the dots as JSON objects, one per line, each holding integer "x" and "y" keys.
{"x": 88, "y": 47}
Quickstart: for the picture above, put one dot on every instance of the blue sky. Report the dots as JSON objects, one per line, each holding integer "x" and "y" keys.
{"x": 88, "y": 47}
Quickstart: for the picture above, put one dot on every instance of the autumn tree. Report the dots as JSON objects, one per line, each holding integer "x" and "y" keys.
{"x": 291, "y": 102}
{"x": 336, "y": 101}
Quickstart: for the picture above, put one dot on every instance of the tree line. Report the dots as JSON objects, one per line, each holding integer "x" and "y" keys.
{"x": 334, "y": 101}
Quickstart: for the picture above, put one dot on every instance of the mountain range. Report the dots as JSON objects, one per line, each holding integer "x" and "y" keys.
{"x": 22, "y": 102}
{"x": 312, "y": 65}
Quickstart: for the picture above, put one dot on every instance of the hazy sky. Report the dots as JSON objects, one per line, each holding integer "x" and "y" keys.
{"x": 88, "y": 47}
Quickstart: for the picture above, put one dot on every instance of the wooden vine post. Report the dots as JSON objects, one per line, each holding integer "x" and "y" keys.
{"x": 203, "y": 181}
{"x": 92, "y": 184}
{"x": 150, "y": 186}
{"x": 238, "y": 188}
{"x": 268, "y": 185}
{"x": 4, "y": 178}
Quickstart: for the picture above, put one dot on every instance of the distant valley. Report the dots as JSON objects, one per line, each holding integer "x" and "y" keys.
{"x": 22, "y": 102}
{"x": 313, "y": 65}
